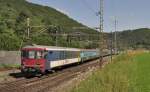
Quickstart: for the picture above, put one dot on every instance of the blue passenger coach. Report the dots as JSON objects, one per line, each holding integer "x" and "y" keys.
{"x": 88, "y": 54}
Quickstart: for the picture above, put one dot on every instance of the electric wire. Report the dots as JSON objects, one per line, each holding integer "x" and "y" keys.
{"x": 89, "y": 7}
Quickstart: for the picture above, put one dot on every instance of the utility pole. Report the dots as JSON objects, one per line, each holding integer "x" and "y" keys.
{"x": 56, "y": 40}
{"x": 115, "y": 38}
{"x": 28, "y": 27}
{"x": 101, "y": 45}
{"x": 111, "y": 45}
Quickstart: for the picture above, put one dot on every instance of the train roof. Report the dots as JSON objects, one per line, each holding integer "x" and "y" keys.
{"x": 55, "y": 48}
{"x": 50, "y": 48}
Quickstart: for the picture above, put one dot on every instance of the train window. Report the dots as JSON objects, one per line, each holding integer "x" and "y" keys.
{"x": 72, "y": 54}
{"x": 24, "y": 54}
{"x": 65, "y": 54}
{"x": 28, "y": 54}
{"x": 57, "y": 55}
{"x": 45, "y": 53}
{"x": 68, "y": 55}
{"x": 60, "y": 55}
{"x": 51, "y": 52}
{"x": 31, "y": 54}
{"x": 75, "y": 54}
{"x": 39, "y": 54}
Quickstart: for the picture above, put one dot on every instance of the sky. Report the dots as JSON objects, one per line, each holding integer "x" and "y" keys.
{"x": 130, "y": 14}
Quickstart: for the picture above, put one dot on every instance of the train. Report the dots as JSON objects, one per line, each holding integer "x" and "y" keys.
{"x": 39, "y": 59}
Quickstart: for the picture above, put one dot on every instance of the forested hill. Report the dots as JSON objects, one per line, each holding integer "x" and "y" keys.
{"x": 138, "y": 38}
{"x": 13, "y": 24}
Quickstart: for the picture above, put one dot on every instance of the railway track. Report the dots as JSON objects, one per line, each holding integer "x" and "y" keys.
{"x": 46, "y": 83}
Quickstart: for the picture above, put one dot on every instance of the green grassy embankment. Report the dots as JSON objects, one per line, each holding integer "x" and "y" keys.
{"x": 127, "y": 73}
{"x": 4, "y": 67}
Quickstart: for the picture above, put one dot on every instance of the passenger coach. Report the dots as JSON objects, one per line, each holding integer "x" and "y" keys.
{"x": 39, "y": 59}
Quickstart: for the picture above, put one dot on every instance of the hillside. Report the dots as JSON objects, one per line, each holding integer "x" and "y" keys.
{"x": 13, "y": 25}
{"x": 138, "y": 38}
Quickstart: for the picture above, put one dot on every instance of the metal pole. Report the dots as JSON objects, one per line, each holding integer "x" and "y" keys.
{"x": 111, "y": 45}
{"x": 115, "y": 36}
{"x": 28, "y": 27}
{"x": 101, "y": 32}
{"x": 56, "y": 44}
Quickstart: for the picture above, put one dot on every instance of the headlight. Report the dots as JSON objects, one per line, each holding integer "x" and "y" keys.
{"x": 22, "y": 66}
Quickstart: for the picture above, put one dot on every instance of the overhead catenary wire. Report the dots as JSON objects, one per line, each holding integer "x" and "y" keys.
{"x": 89, "y": 7}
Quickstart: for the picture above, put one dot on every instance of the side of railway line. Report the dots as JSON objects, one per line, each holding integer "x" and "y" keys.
{"x": 47, "y": 83}
{"x": 44, "y": 59}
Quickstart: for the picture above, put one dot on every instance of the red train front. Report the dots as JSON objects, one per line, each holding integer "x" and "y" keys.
{"x": 32, "y": 60}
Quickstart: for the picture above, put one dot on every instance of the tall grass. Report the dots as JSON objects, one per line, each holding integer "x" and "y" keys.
{"x": 9, "y": 66}
{"x": 125, "y": 74}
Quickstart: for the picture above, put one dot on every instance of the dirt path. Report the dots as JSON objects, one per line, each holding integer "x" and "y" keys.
{"x": 5, "y": 76}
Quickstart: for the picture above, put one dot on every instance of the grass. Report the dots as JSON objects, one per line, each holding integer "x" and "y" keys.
{"x": 8, "y": 66}
{"x": 143, "y": 74}
{"x": 127, "y": 73}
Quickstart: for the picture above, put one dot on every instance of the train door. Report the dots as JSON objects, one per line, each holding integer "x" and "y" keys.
{"x": 40, "y": 60}
{"x": 48, "y": 57}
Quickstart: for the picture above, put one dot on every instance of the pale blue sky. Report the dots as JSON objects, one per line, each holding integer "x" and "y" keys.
{"x": 131, "y": 14}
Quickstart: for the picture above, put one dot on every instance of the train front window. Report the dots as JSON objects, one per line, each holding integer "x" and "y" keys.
{"x": 31, "y": 54}
{"x": 28, "y": 54}
{"x": 24, "y": 54}
{"x": 39, "y": 54}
